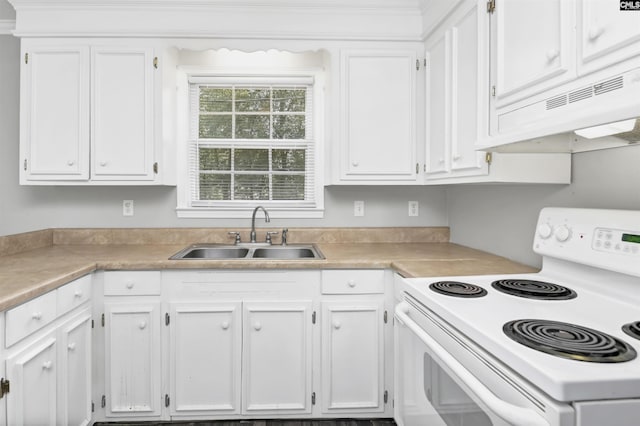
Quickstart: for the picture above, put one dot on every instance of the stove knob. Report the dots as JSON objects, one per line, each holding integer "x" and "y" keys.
{"x": 562, "y": 233}
{"x": 544, "y": 231}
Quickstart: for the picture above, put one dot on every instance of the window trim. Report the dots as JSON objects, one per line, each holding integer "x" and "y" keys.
{"x": 277, "y": 209}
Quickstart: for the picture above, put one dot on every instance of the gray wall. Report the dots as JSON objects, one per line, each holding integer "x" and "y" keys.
{"x": 25, "y": 208}
{"x": 502, "y": 218}
{"x": 6, "y": 10}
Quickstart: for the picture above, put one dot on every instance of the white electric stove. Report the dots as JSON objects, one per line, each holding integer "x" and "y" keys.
{"x": 558, "y": 347}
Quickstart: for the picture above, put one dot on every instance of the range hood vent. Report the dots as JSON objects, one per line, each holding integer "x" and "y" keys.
{"x": 607, "y": 86}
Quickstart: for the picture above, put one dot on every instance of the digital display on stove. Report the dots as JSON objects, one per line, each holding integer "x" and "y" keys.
{"x": 631, "y": 238}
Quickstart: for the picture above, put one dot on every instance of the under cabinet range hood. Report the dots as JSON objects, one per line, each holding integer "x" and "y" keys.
{"x": 602, "y": 114}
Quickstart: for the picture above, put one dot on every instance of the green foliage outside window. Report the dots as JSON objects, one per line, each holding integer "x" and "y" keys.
{"x": 233, "y": 115}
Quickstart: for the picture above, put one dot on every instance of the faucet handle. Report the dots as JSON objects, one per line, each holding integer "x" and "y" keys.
{"x": 269, "y": 234}
{"x": 237, "y": 236}
{"x": 285, "y": 233}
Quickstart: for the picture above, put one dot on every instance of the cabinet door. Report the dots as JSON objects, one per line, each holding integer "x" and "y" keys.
{"x": 469, "y": 90}
{"x": 54, "y": 136}
{"x": 535, "y": 41}
{"x": 352, "y": 356}
{"x": 438, "y": 83}
{"x": 74, "y": 384}
{"x": 606, "y": 34}
{"x": 32, "y": 373}
{"x": 205, "y": 358}
{"x": 132, "y": 373}
{"x": 378, "y": 116}
{"x": 122, "y": 114}
{"x": 276, "y": 372}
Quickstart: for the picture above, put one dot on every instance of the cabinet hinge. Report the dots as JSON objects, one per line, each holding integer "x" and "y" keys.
{"x": 424, "y": 62}
{"x": 167, "y": 319}
{"x": 93, "y": 407}
{"x": 417, "y": 168}
{"x": 102, "y": 320}
{"x": 103, "y": 402}
{"x": 386, "y": 396}
{"x": 493, "y": 91}
{"x": 155, "y": 62}
{"x": 488, "y": 157}
{"x": 167, "y": 400}
{"x": 5, "y": 386}
{"x": 386, "y": 317}
{"x": 491, "y": 6}
{"x": 92, "y": 325}
{"x": 313, "y": 398}
{"x": 155, "y": 168}
{"x": 313, "y": 317}
{"x": 417, "y": 64}
{"x": 26, "y": 58}
{"x": 24, "y": 166}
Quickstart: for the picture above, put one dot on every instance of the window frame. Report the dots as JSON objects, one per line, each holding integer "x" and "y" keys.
{"x": 187, "y": 208}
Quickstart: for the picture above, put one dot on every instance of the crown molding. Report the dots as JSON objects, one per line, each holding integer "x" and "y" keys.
{"x": 398, "y": 20}
{"x": 7, "y": 26}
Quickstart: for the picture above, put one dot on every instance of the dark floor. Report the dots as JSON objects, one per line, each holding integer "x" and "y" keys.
{"x": 335, "y": 422}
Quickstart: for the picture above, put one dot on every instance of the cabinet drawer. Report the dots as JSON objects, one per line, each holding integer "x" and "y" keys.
{"x": 29, "y": 317}
{"x": 135, "y": 283}
{"x": 353, "y": 282}
{"x": 74, "y": 294}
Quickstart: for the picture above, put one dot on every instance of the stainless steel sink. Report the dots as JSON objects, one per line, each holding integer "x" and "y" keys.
{"x": 248, "y": 251}
{"x": 286, "y": 252}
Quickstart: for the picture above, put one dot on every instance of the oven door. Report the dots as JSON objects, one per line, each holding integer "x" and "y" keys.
{"x": 434, "y": 388}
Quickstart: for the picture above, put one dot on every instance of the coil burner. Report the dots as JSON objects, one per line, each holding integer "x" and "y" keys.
{"x": 632, "y": 329}
{"x": 531, "y": 289}
{"x": 569, "y": 341}
{"x": 458, "y": 289}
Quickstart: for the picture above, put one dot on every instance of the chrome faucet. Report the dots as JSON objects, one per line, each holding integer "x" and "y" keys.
{"x": 252, "y": 236}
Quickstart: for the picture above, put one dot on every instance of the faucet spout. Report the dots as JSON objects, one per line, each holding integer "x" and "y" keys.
{"x": 252, "y": 236}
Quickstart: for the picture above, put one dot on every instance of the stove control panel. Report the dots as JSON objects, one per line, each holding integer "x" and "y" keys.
{"x": 615, "y": 240}
{"x": 607, "y": 239}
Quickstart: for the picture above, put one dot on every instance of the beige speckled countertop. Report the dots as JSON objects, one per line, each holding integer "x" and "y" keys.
{"x": 34, "y": 271}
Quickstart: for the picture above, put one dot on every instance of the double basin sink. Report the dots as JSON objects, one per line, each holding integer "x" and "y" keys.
{"x": 249, "y": 251}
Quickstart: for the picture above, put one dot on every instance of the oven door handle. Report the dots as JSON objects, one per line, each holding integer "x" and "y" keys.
{"x": 511, "y": 413}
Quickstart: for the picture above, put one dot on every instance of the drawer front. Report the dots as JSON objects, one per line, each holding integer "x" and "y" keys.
{"x": 74, "y": 294}
{"x": 29, "y": 317}
{"x": 135, "y": 283}
{"x": 355, "y": 281}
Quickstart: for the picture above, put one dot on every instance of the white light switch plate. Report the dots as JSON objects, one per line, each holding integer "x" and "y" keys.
{"x": 358, "y": 208}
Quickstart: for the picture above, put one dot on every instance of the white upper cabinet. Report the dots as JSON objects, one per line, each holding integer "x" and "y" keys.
{"x": 377, "y": 140}
{"x": 122, "y": 111}
{"x": 534, "y": 46}
{"x": 88, "y": 114}
{"x": 438, "y": 90}
{"x": 54, "y": 113}
{"x": 456, "y": 76}
{"x": 606, "y": 34}
{"x": 560, "y": 65}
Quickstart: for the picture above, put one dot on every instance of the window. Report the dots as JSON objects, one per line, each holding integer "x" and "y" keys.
{"x": 252, "y": 142}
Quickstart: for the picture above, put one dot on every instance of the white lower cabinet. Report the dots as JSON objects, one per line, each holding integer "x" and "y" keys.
{"x": 205, "y": 358}
{"x": 48, "y": 358}
{"x": 129, "y": 362}
{"x": 132, "y": 352}
{"x": 277, "y": 357}
{"x": 32, "y": 374}
{"x": 74, "y": 356}
{"x": 224, "y": 344}
{"x": 353, "y": 359}
{"x": 352, "y": 356}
